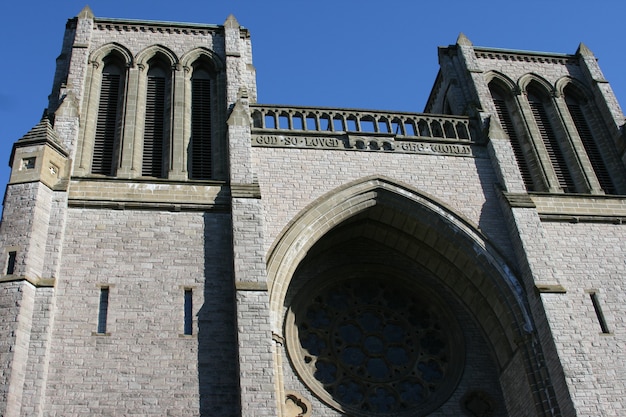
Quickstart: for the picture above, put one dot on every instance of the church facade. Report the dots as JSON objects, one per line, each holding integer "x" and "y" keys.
{"x": 170, "y": 246}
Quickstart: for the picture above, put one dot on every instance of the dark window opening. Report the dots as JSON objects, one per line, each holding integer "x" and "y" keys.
{"x": 201, "y": 135}
{"x": 551, "y": 143}
{"x": 504, "y": 115}
{"x": 154, "y": 125}
{"x": 590, "y": 145}
{"x": 188, "y": 324}
{"x": 103, "y": 310}
{"x": 108, "y": 122}
{"x": 599, "y": 314}
{"x": 11, "y": 263}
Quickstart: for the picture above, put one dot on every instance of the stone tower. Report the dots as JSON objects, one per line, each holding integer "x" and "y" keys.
{"x": 172, "y": 247}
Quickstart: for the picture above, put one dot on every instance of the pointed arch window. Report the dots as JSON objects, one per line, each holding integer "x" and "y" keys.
{"x": 506, "y": 120}
{"x": 156, "y": 120}
{"x": 548, "y": 136}
{"x": 575, "y": 107}
{"x": 201, "y": 126}
{"x": 108, "y": 123}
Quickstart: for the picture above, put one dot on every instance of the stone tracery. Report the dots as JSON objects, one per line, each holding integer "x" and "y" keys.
{"x": 371, "y": 347}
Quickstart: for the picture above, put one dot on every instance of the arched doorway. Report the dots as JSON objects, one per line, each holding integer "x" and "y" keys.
{"x": 389, "y": 303}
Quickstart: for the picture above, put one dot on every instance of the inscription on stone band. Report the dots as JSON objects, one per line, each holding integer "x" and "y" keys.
{"x": 298, "y": 142}
{"x": 438, "y": 148}
{"x": 361, "y": 143}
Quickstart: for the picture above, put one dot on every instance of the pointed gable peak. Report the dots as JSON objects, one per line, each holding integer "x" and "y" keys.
{"x": 463, "y": 40}
{"x": 86, "y": 13}
{"x": 584, "y": 50}
{"x": 231, "y": 22}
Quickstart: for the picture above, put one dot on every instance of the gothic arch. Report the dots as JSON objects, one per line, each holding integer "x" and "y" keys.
{"x": 193, "y": 55}
{"x": 378, "y": 229}
{"x": 148, "y": 53}
{"x": 572, "y": 84}
{"x": 98, "y": 55}
{"x": 204, "y": 136}
{"x": 93, "y": 83}
{"x": 457, "y": 242}
{"x": 501, "y": 81}
{"x": 154, "y": 80}
{"x": 581, "y": 121}
{"x": 528, "y": 79}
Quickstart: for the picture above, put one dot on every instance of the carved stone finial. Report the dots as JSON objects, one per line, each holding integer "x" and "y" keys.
{"x": 584, "y": 50}
{"x": 463, "y": 40}
{"x": 231, "y": 22}
{"x": 239, "y": 116}
{"x": 68, "y": 106}
{"x": 243, "y": 92}
{"x": 86, "y": 13}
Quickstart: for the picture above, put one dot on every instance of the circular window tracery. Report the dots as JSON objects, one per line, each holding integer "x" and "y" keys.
{"x": 375, "y": 346}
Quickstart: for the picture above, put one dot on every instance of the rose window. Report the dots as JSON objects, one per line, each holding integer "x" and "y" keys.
{"x": 371, "y": 347}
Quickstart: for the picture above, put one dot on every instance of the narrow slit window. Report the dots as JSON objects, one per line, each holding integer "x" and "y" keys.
{"x": 188, "y": 325}
{"x": 11, "y": 263}
{"x": 599, "y": 314}
{"x": 103, "y": 310}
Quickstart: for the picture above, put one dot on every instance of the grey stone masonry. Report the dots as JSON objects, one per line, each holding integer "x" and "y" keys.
{"x": 169, "y": 246}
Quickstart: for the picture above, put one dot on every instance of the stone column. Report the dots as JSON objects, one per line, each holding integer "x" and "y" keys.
{"x": 179, "y": 136}
{"x": 131, "y": 141}
{"x": 256, "y": 347}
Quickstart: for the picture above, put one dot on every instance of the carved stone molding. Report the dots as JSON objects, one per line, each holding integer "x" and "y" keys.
{"x": 296, "y": 406}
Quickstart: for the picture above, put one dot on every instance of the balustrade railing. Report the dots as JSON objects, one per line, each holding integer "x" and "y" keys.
{"x": 316, "y": 119}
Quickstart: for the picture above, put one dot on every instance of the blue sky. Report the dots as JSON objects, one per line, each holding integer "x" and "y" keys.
{"x": 339, "y": 53}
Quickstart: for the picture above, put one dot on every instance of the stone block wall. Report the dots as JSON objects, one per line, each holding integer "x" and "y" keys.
{"x": 591, "y": 260}
{"x": 16, "y": 307}
{"x": 144, "y": 361}
{"x": 291, "y": 179}
{"x": 148, "y": 242}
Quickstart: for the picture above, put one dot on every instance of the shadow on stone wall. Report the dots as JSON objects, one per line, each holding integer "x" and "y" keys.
{"x": 217, "y": 340}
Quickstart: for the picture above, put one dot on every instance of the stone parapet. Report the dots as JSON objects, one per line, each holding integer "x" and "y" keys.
{"x": 394, "y": 124}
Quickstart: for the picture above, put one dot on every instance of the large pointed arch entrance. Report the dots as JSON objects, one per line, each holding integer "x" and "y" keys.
{"x": 387, "y": 302}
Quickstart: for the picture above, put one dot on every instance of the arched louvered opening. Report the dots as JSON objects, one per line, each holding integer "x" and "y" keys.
{"x": 423, "y": 128}
{"x": 436, "y": 129}
{"x": 461, "y": 130}
{"x": 201, "y": 133}
{"x": 575, "y": 107}
{"x": 157, "y": 88}
{"x": 506, "y": 121}
{"x": 550, "y": 141}
{"x": 109, "y": 120}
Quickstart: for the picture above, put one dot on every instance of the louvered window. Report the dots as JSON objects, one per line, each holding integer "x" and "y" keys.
{"x": 590, "y": 146}
{"x": 507, "y": 124}
{"x": 200, "y": 125}
{"x": 551, "y": 144}
{"x": 108, "y": 120}
{"x": 154, "y": 130}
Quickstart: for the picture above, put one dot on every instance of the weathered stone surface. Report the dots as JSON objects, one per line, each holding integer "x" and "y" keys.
{"x": 467, "y": 203}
